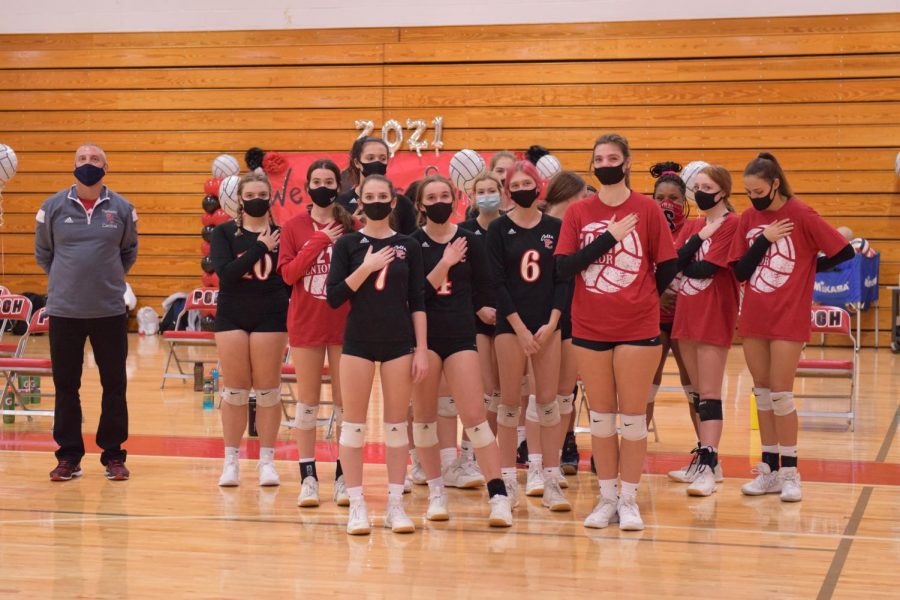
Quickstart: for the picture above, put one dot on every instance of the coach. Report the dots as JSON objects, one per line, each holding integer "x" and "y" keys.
{"x": 86, "y": 240}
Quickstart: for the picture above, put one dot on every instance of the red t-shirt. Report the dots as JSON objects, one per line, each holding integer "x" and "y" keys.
{"x": 707, "y": 309}
{"x": 616, "y": 298}
{"x": 304, "y": 261}
{"x": 667, "y": 316}
{"x": 88, "y": 204}
{"x": 778, "y": 296}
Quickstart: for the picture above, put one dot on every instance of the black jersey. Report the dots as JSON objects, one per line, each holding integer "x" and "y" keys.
{"x": 451, "y": 307}
{"x": 404, "y": 211}
{"x": 524, "y": 271}
{"x": 475, "y": 227}
{"x": 245, "y": 266}
{"x": 381, "y": 309}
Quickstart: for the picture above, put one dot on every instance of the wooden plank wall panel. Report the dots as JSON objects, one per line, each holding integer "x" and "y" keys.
{"x": 823, "y": 92}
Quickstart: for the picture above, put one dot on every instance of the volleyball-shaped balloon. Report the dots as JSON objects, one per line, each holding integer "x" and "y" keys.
{"x": 776, "y": 266}
{"x": 862, "y": 246}
{"x": 548, "y": 166}
{"x": 897, "y": 165}
{"x": 225, "y": 165}
{"x": 689, "y": 173}
{"x": 9, "y": 164}
{"x": 464, "y": 167}
{"x": 690, "y": 286}
{"x": 615, "y": 270}
{"x": 314, "y": 280}
{"x": 228, "y": 195}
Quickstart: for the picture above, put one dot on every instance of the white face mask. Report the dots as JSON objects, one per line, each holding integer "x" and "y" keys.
{"x": 488, "y": 203}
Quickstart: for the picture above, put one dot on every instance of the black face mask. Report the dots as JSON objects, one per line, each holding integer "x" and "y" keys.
{"x": 89, "y": 174}
{"x": 256, "y": 207}
{"x": 705, "y": 200}
{"x": 323, "y": 196}
{"x": 373, "y": 168}
{"x": 762, "y": 202}
{"x": 376, "y": 211}
{"x": 610, "y": 175}
{"x": 524, "y": 198}
{"x": 439, "y": 212}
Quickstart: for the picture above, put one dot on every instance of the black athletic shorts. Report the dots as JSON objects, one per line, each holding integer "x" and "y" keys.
{"x": 378, "y": 351}
{"x": 604, "y": 346}
{"x": 447, "y": 347}
{"x": 483, "y": 328}
{"x": 253, "y": 314}
{"x": 565, "y": 326}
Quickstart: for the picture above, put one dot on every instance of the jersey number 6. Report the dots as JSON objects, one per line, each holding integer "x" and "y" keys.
{"x": 530, "y": 268}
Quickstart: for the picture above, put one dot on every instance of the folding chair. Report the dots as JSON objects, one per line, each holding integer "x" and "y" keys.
{"x": 833, "y": 320}
{"x": 583, "y": 405}
{"x": 204, "y": 300}
{"x": 10, "y": 349}
{"x": 11, "y": 367}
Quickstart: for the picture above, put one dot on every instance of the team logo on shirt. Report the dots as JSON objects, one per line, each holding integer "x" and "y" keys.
{"x": 110, "y": 219}
{"x": 314, "y": 280}
{"x": 400, "y": 252}
{"x": 618, "y": 268}
{"x": 776, "y": 266}
{"x": 548, "y": 240}
{"x": 690, "y": 286}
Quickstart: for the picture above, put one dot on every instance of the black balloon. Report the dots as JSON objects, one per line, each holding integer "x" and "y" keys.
{"x": 210, "y": 204}
{"x": 206, "y": 232}
{"x": 206, "y": 264}
{"x": 207, "y": 323}
{"x": 254, "y": 158}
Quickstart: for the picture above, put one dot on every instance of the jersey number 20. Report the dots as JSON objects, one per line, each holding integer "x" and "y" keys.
{"x": 530, "y": 268}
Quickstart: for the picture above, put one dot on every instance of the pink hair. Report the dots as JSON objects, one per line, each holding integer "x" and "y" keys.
{"x": 525, "y": 166}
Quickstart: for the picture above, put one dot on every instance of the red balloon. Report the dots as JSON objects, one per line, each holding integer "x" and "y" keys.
{"x": 210, "y": 280}
{"x": 208, "y": 219}
{"x": 219, "y": 216}
{"x": 211, "y": 187}
{"x": 204, "y": 248}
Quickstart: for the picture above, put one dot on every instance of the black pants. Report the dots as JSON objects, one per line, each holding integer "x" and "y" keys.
{"x": 109, "y": 339}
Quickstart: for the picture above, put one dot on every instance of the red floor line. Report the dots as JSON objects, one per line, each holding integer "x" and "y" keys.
{"x": 812, "y": 469}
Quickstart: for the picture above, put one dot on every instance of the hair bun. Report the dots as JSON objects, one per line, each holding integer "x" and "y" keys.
{"x": 661, "y": 168}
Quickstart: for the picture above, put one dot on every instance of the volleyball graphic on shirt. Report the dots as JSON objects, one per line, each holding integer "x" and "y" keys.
{"x": 776, "y": 266}
{"x": 615, "y": 270}
{"x": 314, "y": 280}
{"x": 690, "y": 286}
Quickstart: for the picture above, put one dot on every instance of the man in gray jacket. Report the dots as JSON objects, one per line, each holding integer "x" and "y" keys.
{"x": 86, "y": 240}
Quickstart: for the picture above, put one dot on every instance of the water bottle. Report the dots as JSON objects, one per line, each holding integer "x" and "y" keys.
{"x": 198, "y": 376}
{"x": 215, "y": 380}
{"x": 208, "y": 394}
{"x": 9, "y": 403}
{"x": 251, "y": 418}
{"x": 35, "y": 389}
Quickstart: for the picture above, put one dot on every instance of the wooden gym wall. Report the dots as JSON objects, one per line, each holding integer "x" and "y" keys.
{"x": 822, "y": 93}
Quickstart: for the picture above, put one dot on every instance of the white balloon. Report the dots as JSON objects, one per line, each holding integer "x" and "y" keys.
{"x": 225, "y": 165}
{"x": 464, "y": 167}
{"x": 228, "y": 195}
{"x": 9, "y": 164}
{"x": 897, "y": 165}
{"x": 689, "y": 173}
{"x": 548, "y": 166}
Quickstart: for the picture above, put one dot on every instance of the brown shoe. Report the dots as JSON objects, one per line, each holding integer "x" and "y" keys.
{"x": 116, "y": 470}
{"x": 66, "y": 470}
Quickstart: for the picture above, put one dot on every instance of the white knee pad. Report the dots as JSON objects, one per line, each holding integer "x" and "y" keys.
{"x": 603, "y": 425}
{"x": 267, "y": 398}
{"x": 425, "y": 434}
{"x": 338, "y": 412}
{"x": 396, "y": 435}
{"x": 447, "y": 407}
{"x": 494, "y": 403}
{"x": 306, "y": 416}
{"x": 782, "y": 403}
{"x": 763, "y": 398}
{"x": 236, "y": 396}
{"x": 634, "y": 427}
{"x": 508, "y": 416}
{"x": 480, "y": 435}
{"x": 531, "y": 413}
{"x": 549, "y": 413}
{"x": 566, "y": 404}
{"x": 353, "y": 435}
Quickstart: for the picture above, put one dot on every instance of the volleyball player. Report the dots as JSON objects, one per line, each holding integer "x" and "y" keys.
{"x": 315, "y": 330}
{"x": 457, "y": 286}
{"x": 619, "y": 245}
{"x": 251, "y": 331}
{"x": 379, "y": 271}
{"x": 775, "y": 251}
{"x": 706, "y": 314}
{"x": 500, "y": 164}
{"x": 530, "y": 299}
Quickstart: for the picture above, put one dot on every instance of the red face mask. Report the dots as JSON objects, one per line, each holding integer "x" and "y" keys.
{"x": 674, "y": 212}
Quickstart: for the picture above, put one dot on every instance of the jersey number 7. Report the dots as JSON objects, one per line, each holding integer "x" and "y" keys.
{"x": 381, "y": 280}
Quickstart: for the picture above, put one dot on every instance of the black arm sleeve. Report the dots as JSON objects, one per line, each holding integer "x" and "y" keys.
{"x": 700, "y": 269}
{"x": 505, "y": 304}
{"x": 568, "y": 266}
{"x": 229, "y": 269}
{"x": 687, "y": 252}
{"x": 744, "y": 268}
{"x": 482, "y": 292}
{"x": 416, "y": 284}
{"x": 827, "y": 263}
{"x": 665, "y": 273}
{"x": 336, "y": 289}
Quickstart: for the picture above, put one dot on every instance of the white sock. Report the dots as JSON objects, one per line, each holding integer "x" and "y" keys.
{"x": 520, "y": 435}
{"x": 536, "y": 459}
{"x": 608, "y": 489}
{"x": 355, "y": 493}
{"x": 435, "y": 487}
{"x": 448, "y": 455}
{"x": 787, "y": 450}
{"x": 551, "y": 473}
{"x": 508, "y": 472}
{"x": 266, "y": 454}
{"x": 466, "y": 448}
{"x": 773, "y": 449}
{"x": 232, "y": 452}
{"x": 395, "y": 491}
{"x": 629, "y": 489}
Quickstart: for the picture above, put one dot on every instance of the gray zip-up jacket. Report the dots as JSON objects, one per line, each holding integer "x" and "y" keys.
{"x": 86, "y": 257}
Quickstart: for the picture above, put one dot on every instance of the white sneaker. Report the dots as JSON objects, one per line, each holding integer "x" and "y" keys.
{"x": 563, "y": 482}
{"x": 790, "y": 484}
{"x": 417, "y": 474}
{"x": 704, "y": 483}
{"x": 604, "y": 513}
{"x": 534, "y": 482}
{"x": 437, "y": 508}
{"x": 501, "y": 511}
{"x": 457, "y": 475}
{"x": 407, "y": 485}
{"x": 629, "y": 514}
{"x": 470, "y": 466}
{"x": 396, "y": 519}
{"x": 268, "y": 476}
{"x": 340, "y": 496}
{"x": 766, "y": 482}
{"x": 553, "y": 497}
{"x": 512, "y": 489}
{"x": 309, "y": 493}
{"x": 686, "y": 474}
{"x": 231, "y": 473}
{"x": 358, "y": 521}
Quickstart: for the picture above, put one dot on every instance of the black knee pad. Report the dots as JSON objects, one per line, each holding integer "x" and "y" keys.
{"x": 709, "y": 410}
